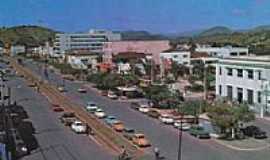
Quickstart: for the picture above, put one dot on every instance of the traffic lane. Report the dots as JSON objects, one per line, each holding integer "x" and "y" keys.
{"x": 157, "y": 135}
{"x": 162, "y": 136}
{"x": 52, "y": 136}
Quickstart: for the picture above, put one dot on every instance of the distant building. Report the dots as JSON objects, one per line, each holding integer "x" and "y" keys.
{"x": 153, "y": 48}
{"x": 1, "y": 48}
{"x": 227, "y": 51}
{"x": 17, "y": 49}
{"x": 81, "y": 59}
{"x": 92, "y": 41}
{"x": 178, "y": 56}
{"x": 245, "y": 79}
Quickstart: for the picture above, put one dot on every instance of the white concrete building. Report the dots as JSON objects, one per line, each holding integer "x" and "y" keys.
{"x": 16, "y": 49}
{"x": 92, "y": 41}
{"x": 245, "y": 79}
{"x": 82, "y": 61}
{"x": 223, "y": 52}
{"x": 180, "y": 57}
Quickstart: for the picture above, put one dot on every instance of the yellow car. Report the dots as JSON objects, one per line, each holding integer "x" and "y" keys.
{"x": 140, "y": 140}
{"x": 118, "y": 126}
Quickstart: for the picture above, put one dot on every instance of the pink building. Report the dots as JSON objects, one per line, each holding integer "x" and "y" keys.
{"x": 145, "y": 47}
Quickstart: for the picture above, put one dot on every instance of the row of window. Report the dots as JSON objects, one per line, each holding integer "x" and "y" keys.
{"x": 240, "y": 73}
{"x": 240, "y": 95}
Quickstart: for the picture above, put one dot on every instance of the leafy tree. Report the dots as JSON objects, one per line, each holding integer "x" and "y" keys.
{"x": 178, "y": 69}
{"x": 228, "y": 117}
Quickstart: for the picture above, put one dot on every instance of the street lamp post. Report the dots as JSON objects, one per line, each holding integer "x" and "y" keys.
{"x": 180, "y": 137}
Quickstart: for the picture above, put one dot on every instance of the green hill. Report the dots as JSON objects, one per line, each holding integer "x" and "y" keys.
{"x": 218, "y": 30}
{"x": 27, "y": 35}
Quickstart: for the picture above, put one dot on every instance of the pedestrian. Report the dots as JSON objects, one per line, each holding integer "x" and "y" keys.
{"x": 156, "y": 150}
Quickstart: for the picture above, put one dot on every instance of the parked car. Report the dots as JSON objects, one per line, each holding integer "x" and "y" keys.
{"x": 165, "y": 118}
{"x": 68, "y": 77}
{"x": 112, "y": 95}
{"x": 254, "y": 131}
{"x": 104, "y": 93}
{"x": 185, "y": 126}
{"x": 82, "y": 90}
{"x": 153, "y": 114}
{"x": 79, "y": 127}
{"x": 57, "y": 108}
{"x": 68, "y": 118}
{"x": 199, "y": 132}
{"x": 61, "y": 89}
{"x": 128, "y": 133}
{"x": 118, "y": 126}
{"x": 135, "y": 106}
{"x": 31, "y": 84}
{"x": 140, "y": 140}
{"x": 91, "y": 107}
{"x": 144, "y": 108}
{"x": 110, "y": 120}
{"x": 100, "y": 113}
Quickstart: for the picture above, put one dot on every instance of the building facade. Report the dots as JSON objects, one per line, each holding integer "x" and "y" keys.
{"x": 92, "y": 41}
{"x": 223, "y": 52}
{"x": 153, "y": 48}
{"x": 245, "y": 79}
{"x": 180, "y": 57}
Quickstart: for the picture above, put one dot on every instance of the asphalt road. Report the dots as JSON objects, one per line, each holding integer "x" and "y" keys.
{"x": 161, "y": 136}
{"x": 56, "y": 141}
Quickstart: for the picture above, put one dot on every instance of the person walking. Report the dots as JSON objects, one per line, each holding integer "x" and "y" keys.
{"x": 157, "y": 154}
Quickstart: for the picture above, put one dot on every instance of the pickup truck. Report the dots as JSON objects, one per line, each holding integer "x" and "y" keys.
{"x": 68, "y": 118}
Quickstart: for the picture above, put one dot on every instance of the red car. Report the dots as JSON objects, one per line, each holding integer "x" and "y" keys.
{"x": 57, "y": 108}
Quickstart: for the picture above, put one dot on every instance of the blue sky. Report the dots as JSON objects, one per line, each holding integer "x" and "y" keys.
{"x": 165, "y": 16}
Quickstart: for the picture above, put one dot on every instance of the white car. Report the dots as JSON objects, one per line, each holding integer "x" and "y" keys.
{"x": 82, "y": 90}
{"x": 112, "y": 95}
{"x": 78, "y": 127}
{"x": 144, "y": 108}
{"x": 100, "y": 113}
{"x": 91, "y": 107}
{"x": 185, "y": 126}
{"x": 61, "y": 89}
{"x": 166, "y": 119}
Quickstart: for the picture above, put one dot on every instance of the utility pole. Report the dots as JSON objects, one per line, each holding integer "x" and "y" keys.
{"x": 180, "y": 137}
{"x": 204, "y": 82}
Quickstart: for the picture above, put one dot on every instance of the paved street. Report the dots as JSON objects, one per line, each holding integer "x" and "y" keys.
{"x": 56, "y": 141}
{"x": 164, "y": 137}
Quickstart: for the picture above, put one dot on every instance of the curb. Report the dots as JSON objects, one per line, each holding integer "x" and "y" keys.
{"x": 241, "y": 149}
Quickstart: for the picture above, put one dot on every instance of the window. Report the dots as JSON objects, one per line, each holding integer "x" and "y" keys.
{"x": 220, "y": 90}
{"x": 185, "y": 56}
{"x": 259, "y": 98}
{"x": 230, "y": 92}
{"x": 239, "y": 73}
{"x": 220, "y": 71}
{"x": 259, "y": 75}
{"x": 175, "y": 56}
{"x": 250, "y": 96}
{"x": 240, "y": 95}
{"x": 243, "y": 53}
{"x": 229, "y": 71}
{"x": 233, "y": 53}
{"x": 250, "y": 74}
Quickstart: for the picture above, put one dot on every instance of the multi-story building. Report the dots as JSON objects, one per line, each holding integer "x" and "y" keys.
{"x": 153, "y": 48}
{"x": 178, "y": 56}
{"x": 92, "y": 41}
{"x": 223, "y": 52}
{"x": 245, "y": 79}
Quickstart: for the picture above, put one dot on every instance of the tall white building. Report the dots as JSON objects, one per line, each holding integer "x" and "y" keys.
{"x": 92, "y": 41}
{"x": 223, "y": 52}
{"x": 245, "y": 79}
